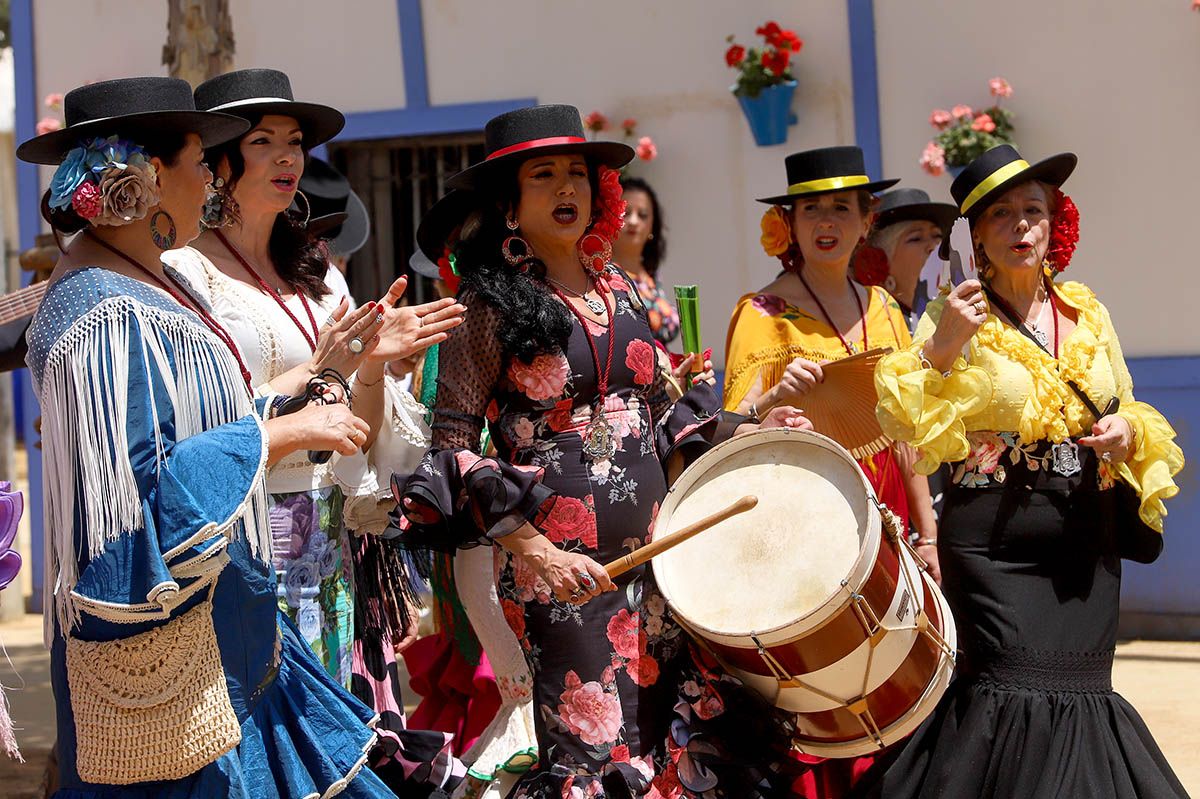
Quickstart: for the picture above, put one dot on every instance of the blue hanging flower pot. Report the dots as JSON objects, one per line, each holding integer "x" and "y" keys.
{"x": 770, "y": 113}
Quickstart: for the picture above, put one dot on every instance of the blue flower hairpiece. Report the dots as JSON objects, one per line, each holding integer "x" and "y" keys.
{"x": 89, "y": 161}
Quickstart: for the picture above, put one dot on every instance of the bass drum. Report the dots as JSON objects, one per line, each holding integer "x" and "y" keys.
{"x": 814, "y": 597}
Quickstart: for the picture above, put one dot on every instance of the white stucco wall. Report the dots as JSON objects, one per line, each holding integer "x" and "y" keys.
{"x": 663, "y": 64}
{"x": 1111, "y": 80}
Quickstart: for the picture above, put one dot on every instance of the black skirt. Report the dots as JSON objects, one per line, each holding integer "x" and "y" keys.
{"x": 1031, "y": 574}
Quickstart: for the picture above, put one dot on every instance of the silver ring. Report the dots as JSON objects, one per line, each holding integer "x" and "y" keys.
{"x": 356, "y": 345}
{"x": 586, "y": 581}
{"x": 1106, "y": 457}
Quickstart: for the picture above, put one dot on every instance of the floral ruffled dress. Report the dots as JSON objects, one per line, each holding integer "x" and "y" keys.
{"x": 624, "y": 703}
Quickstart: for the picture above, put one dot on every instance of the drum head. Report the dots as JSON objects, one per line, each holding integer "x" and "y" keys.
{"x": 782, "y": 560}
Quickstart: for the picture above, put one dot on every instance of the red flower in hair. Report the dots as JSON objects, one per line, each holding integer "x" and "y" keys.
{"x": 1064, "y": 231}
{"x": 870, "y": 266}
{"x": 611, "y": 208}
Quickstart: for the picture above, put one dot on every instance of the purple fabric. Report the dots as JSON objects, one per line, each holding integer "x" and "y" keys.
{"x": 12, "y": 506}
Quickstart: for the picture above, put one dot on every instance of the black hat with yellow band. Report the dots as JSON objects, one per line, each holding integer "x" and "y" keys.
{"x": 826, "y": 170}
{"x": 998, "y": 170}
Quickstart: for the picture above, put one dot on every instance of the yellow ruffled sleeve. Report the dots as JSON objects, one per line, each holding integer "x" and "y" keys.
{"x": 921, "y": 407}
{"x": 1156, "y": 458}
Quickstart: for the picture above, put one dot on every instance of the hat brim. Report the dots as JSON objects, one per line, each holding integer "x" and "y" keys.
{"x": 320, "y": 123}
{"x": 440, "y": 221}
{"x": 611, "y": 154}
{"x": 940, "y": 214}
{"x": 419, "y": 262}
{"x": 319, "y": 227}
{"x": 786, "y": 199}
{"x": 356, "y": 229}
{"x": 1053, "y": 170}
{"x": 213, "y": 127}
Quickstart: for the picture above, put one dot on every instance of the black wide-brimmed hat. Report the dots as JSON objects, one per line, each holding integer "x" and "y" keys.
{"x": 336, "y": 213}
{"x": 826, "y": 170}
{"x": 909, "y": 205}
{"x": 253, "y": 93}
{"x": 129, "y": 108}
{"x": 517, "y": 135}
{"x": 998, "y": 170}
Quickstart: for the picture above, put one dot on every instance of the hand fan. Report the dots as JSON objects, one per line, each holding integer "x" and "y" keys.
{"x": 842, "y": 406}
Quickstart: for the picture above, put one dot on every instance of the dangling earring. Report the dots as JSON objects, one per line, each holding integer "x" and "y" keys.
{"x": 594, "y": 251}
{"x": 307, "y": 207}
{"x": 163, "y": 240}
{"x": 515, "y": 249}
{"x": 220, "y": 209}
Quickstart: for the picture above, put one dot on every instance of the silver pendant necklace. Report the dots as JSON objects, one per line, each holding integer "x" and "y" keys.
{"x": 594, "y": 305}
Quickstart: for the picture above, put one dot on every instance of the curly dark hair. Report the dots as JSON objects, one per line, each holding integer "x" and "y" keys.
{"x": 166, "y": 146}
{"x": 533, "y": 321}
{"x": 297, "y": 257}
{"x": 655, "y": 249}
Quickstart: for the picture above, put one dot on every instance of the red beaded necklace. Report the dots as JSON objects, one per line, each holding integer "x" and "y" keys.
{"x": 598, "y": 440}
{"x": 862, "y": 312}
{"x": 267, "y": 289}
{"x": 211, "y": 323}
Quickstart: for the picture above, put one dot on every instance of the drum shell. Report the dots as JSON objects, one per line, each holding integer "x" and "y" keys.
{"x": 837, "y": 655}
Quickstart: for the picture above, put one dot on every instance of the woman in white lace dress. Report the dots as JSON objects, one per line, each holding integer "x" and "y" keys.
{"x": 270, "y": 285}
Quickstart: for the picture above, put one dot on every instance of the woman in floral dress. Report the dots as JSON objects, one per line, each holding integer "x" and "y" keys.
{"x": 557, "y": 359}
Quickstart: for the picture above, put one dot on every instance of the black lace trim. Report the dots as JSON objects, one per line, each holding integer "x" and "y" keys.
{"x": 1048, "y": 670}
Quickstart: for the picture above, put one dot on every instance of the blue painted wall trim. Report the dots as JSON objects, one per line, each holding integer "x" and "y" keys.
{"x": 28, "y": 225}
{"x": 864, "y": 77}
{"x": 412, "y": 53}
{"x": 428, "y": 120}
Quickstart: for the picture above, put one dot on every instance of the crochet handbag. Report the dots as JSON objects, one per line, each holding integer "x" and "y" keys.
{"x": 153, "y": 706}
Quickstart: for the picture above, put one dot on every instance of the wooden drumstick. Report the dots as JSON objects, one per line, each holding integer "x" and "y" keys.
{"x": 661, "y": 545}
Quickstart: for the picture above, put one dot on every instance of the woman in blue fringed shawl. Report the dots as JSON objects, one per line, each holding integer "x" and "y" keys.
{"x": 174, "y": 673}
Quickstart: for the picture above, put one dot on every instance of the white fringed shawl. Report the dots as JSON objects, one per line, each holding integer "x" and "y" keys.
{"x": 84, "y": 392}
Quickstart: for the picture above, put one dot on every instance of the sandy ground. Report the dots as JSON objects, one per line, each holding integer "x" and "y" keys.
{"x": 1159, "y": 678}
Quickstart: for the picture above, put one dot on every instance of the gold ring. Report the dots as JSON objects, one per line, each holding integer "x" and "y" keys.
{"x": 981, "y": 306}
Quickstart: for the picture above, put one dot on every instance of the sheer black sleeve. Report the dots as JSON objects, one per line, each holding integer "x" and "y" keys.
{"x": 457, "y": 497}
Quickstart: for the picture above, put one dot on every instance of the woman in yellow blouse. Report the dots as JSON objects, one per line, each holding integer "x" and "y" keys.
{"x": 812, "y": 314}
{"x": 1031, "y": 531}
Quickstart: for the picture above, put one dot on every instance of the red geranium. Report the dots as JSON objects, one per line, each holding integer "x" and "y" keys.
{"x": 595, "y": 122}
{"x": 762, "y": 67}
{"x": 770, "y": 31}
{"x": 776, "y": 61}
{"x": 1064, "y": 231}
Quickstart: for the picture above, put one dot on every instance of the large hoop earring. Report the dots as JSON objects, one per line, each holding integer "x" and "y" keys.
{"x": 515, "y": 249}
{"x": 307, "y": 207}
{"x": 163, "y": 240}
{"x": 595, "y": 252}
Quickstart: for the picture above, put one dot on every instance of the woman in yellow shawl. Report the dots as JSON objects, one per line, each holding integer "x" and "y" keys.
{"x": 814, "y": 313}
{"x": 1041, "y": 419}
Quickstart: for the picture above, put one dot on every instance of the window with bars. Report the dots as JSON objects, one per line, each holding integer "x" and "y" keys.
{"x": 398, "y": 180}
